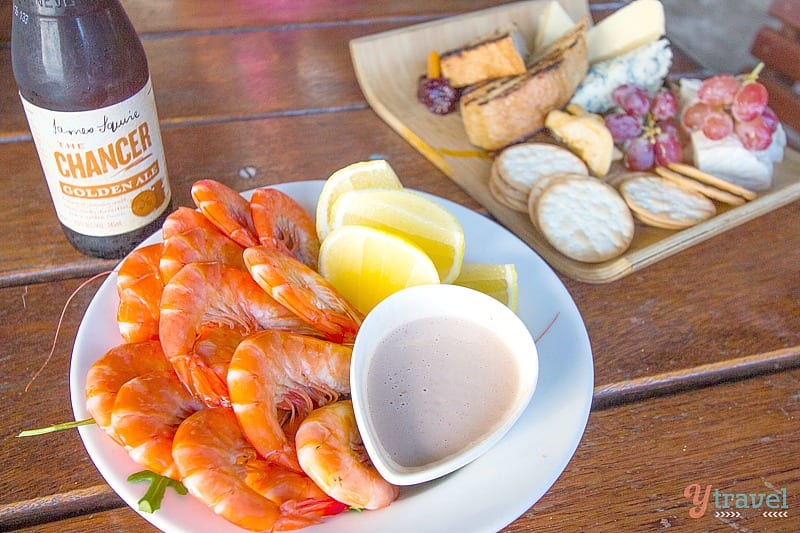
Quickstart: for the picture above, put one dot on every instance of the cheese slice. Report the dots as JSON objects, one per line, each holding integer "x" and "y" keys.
{"x": 553, "y": 23}
{"x": 636, "y": 24}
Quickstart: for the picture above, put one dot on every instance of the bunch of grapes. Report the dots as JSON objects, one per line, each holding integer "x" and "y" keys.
{"x": 645, "y": 128}
{"x": 727, "y": 104}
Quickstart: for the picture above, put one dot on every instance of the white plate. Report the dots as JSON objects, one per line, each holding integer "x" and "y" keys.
{"x": 485, "y": 495}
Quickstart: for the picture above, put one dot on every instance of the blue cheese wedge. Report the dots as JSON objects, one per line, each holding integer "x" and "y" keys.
{"x": 647, "y": 66}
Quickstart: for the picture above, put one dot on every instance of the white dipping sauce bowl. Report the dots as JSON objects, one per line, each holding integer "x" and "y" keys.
{"x": 434, "y": 301}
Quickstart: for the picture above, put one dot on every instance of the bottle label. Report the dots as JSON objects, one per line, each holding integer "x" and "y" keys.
{"x": 105, "y": 167}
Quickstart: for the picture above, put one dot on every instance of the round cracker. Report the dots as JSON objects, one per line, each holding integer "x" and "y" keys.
{"x": 617, "y": 178}
{"x": 520, "y": 165}
{"x": 659, "y": 202}
{"x": 584, "y": 219}
{"x": 505, "y": 189}
{"x": 542, "y": 183}
{"x": 501, "y": 196}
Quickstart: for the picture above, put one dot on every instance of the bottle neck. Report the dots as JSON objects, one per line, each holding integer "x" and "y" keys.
{"x": 74, "y": 55}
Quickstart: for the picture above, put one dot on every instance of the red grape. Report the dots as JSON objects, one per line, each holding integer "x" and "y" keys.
{"x": 669, "y": 125}
{"x": 437, "y": 95}
{"x": 639, "y": 154}
{"x": 749, "y": 102}
{"x": 754, "y": 134}
{"x": 667, "y": 149}
{"x": 665, "y": 105}
{"x": 717, "y": 124}
{"x": 694, "y": 115}
{"x": 633, "y": 99}
{"x": 770, "y": 118}
{"x": 623, "y": 127}
{"x": 718, "y": 90}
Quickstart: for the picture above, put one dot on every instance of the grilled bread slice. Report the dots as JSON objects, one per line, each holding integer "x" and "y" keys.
{"x": 497, "y": 54}
{"x": 503, "y": 111}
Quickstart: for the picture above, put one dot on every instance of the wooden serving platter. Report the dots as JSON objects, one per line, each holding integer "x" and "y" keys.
{"x": 388, "y": 66}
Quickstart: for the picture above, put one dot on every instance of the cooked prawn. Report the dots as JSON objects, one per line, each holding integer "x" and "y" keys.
{"x": 198, "y": 245}
{"x": 304, "y": 291}
{"x": 112, "y": 370}
{"x": 139, "y": 287}
{"x": 147, "y": 412}
{"x": 330, "y": 451}
{"x": 216, "y": 462}
{"x": 275, "y": 378}
{"x": 226, "y": 209}
{"x": 215, "y": 346}
{"x": 183, "y": 219}
{"x": 284, "y": 224}
{"x": 212, "y": 293}
{"x": 280, "y": 485}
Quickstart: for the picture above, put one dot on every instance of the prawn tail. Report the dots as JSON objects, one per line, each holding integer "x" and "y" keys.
{"x": 201, "y": 381}
{"x": 296, "y": 514}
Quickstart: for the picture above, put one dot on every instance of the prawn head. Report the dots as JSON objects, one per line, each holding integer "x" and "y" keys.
{"x": 282, "y": 223}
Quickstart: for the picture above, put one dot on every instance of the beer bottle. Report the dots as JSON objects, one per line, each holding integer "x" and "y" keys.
{"x": 85, "y": 87}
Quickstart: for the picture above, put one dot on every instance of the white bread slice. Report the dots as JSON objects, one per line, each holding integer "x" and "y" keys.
{"x": 497, "y": 54}
{"x": 507, "y": 110}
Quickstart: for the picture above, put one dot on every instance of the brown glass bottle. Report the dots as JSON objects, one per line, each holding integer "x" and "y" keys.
{"x": 84, "y": 83}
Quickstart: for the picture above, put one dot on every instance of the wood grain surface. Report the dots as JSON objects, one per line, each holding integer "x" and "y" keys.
{"x": 697, "y": 357}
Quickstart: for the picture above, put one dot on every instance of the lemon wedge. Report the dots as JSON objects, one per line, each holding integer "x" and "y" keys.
{"x": 410, "y": 215}
{"x": 497, "y": 280}
{"x": 366, "y": 264}
{"x": 362, "y": 175}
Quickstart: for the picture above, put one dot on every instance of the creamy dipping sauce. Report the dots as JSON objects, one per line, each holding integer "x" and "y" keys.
{"x": 435, "y": 386}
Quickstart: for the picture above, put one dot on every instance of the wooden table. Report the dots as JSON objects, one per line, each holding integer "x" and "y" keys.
{"x": 697, "y": 358}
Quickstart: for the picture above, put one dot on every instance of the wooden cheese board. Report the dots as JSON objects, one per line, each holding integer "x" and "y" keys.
{"x": 388, "y": 66}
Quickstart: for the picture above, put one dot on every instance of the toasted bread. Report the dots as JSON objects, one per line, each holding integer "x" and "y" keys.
{"x": 506, "y": 110}
{"x": 497, "y": 54}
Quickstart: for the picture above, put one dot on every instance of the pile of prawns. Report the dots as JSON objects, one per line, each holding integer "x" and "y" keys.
{"x": 235, "y": 362}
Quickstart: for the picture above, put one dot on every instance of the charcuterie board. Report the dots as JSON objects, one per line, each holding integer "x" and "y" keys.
{"x": 388, "y": 66}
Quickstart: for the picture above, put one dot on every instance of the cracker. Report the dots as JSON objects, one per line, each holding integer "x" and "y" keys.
{"x": 505, "y": 189}
{"x": 500, "y": 194}
{"x": 708, "y": 179}
{"x": 706, "y": 190}
{"x": 541, "y": 184}
{"x": 659, "y": 202}
{"x": 615, "y": 179}
{"x": 520, "y": 165}
{"x": 584, "y": 219}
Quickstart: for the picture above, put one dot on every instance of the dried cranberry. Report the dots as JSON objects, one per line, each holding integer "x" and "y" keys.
{"x": 437, "y": 95}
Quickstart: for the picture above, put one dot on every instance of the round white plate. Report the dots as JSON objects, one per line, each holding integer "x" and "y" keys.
{"x": 483, "y": 496}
